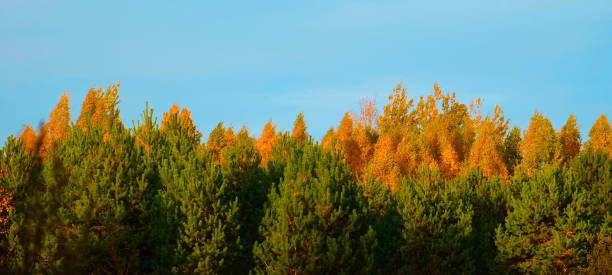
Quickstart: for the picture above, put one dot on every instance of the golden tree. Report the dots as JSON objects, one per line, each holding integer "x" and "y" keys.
{"x": 395, "y": 113}
{"x": 299, "y": 128}
{"x": 229, "y": 138}
{"x": 327, "y": 140}
{"x": 539, "y": 145}
{"x": 99, "y": 108}
{"x": 266, "y": 141}
{"x": 216, "y": 141}
{"x": 487, "y": 150}
{"x": 59, "y": 120}
{"x": 368, "y": 113}
{"x": 183, "y": 120}
{"x": 352, "y": 152}
{"x": 6, "y": 205}
{"x": 447, "y": 131}
{"x": 569, "y": 139}
{"x": 28, "y": 137}
{"x": 384, "y": 165}
{"x": 600, "y": 135}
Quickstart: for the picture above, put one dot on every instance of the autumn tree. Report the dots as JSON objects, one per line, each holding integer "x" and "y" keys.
{"x": 216, "y": 141}
{"x": 487, "y": 150}
{"x": 539, "y": 145}
{"x": 600, "y": 135}
{"x": 100, "y": 108}
{"x": 299, "y": 129}
{"x": 352, "y": 152}
{"x": 28, "y": 137}
{"x": 176, "y": 119}
{"x": 266, "y": 141}
{"x": 59, "y": 120}
{"x": 569, "y": 139}
{"x": 328, "y": 139}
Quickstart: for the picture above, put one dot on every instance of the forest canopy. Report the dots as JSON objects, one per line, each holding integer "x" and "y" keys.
{"x": 426, "y": 185}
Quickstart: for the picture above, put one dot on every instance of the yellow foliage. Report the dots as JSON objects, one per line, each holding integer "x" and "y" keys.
{"x": 266, "y": 141}
{"x": 99, "y": 108}
{"x": 352, "y": 152}
{"x": 539, "y": 145}
{"x": 183, "y": 118}
{"x": 368, "y": 113}
{"x": 28, "y": 137}
{"x": 299, "y": 129}
{"x": 326, "y": 141}
{"x": 487, "y": 150}
{"x": 569, "y": 139}
{"x": 600, "y": 135}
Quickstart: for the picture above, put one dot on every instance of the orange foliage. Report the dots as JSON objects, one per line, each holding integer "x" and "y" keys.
{"x": 569, "y": 138}
{"x": 368, "y": 112}
{"x": 352, "y": 152}
{"x": 600, "y": 135}
{"x": 6, "y": 205}
{"x": 183, "y": 119}
{"x": 28, "y": 137}
{"x": 229, "y": 138}
{"x": 99, "y": 108}
{"x": 539, "y": 145}
{"x": 216, "y": 141}
{"x": 266, "y": 141}
{"x": 59, "y": 120}
{"x": 299, "y": 129}
{"x": 383, "y": 165}
{"x": 487, "y": 150}
{"x": 326, "y": 141}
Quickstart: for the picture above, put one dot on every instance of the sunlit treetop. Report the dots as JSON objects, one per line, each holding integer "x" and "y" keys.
{"x": 395, "y": 113}
{"x": 266, "y": 141}
{"x": 600, "y": 135}
{"x": 540, "y": 143}
{"x": 299, "y": 128}
{"x": 569, "y": 139}
{"x": 99, "y": 108}
{"x": 367, "y": 112}
{"x": 59, "y": 119}
{"x": 182, "y": 119}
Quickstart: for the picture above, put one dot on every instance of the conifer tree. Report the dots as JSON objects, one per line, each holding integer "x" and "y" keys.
{"x": 299, "y": 129}
{"x": 266, "y": 141}
{"x": 28, "y": 137}
{"x": 512, "y": 152}
{"x": 600, "y": 135}
{"x": 328, "y": 139}
{"x": 216, "y": 142}
{"x": 569, "y": 138}
{"x": 314, "y": 219}
{"x": 352, "y": 152}
{"x": 437, "y": 227}
{"x": 59, "y": 120}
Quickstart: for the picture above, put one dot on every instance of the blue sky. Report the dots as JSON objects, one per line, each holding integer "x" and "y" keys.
{"x": 244, "y": 62}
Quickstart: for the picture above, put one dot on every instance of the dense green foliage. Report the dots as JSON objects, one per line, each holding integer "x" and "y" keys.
{"x": 152, "y": 199}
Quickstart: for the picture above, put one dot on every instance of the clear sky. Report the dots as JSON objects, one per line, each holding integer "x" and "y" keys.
{"x": 243, "y": 62}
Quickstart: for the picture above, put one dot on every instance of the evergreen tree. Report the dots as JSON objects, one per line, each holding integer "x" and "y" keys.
{"x": 512, "y": 153}
{"x": 437, "y": 227}
{"x": 314, "y": 219}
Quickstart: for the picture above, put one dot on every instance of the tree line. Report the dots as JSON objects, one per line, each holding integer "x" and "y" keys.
{"x": 428, "y": 186}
